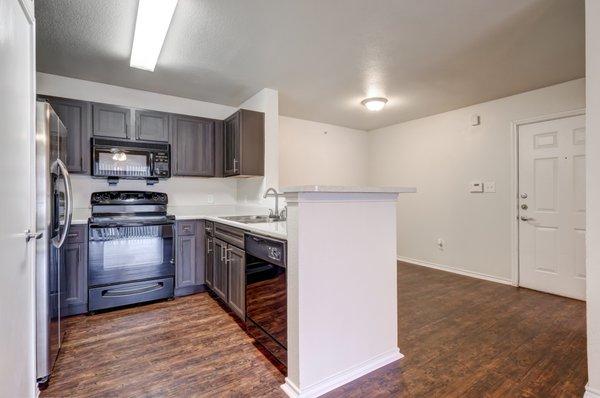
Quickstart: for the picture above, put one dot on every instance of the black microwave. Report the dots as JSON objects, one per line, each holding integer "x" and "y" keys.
{"x": 130, "y": 160}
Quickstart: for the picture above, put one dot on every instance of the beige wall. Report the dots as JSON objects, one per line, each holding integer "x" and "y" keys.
{"x": 440, "y": 155}
{"x": 592, "y": 12}
{"x": 316, "y": 153}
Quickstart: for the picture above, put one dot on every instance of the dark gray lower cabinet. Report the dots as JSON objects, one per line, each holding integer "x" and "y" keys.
{"x": 209, "y": 262}
{"x": 189, "y": 257}
{"x": 236, "y": 295}
{"x": 74, "y": 271}
{"x": 220, "y": 269}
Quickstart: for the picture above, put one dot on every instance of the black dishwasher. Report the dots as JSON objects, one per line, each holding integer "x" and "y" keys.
{"x": 266, "y": 297}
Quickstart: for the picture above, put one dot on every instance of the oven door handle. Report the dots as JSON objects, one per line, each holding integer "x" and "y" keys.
{"x": 124, "y": 292}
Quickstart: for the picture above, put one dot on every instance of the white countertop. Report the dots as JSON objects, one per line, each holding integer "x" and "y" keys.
{"x": 347, "y": 189}
{"x": 213, "y": 213}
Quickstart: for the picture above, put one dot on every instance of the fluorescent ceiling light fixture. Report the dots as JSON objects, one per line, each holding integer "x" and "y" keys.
{"x": 151, "y": 26}
{"x": 375, "y": 103}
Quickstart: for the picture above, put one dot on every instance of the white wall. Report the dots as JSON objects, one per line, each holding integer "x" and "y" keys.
{"x": 592, "y": 13}
{"x": 440, "y": 155}
{"x": 188, "y": 191}
{"x": 313, "y": 153}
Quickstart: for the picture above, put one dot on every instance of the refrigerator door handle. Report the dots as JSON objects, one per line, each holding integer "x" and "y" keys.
{"x": 58, "y": 242}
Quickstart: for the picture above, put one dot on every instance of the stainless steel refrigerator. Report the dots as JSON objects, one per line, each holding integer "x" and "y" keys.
{"x": 54, "y": 210}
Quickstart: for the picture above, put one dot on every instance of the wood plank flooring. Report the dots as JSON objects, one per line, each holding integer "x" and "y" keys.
{"x": 461, "y": 337}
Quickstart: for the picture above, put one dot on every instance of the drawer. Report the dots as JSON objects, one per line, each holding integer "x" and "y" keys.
{"x": 186, "y": 227}
{"x": 209, "y": 227}
{"x": 76, "y": 234}
{"x": 129, "y": 293}
{"x": 232, "y": 235}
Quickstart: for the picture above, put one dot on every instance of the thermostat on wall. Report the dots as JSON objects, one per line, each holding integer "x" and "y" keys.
{"x": 476, "y": 187}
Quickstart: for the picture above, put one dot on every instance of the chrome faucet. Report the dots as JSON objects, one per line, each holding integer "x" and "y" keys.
{"x": 272, "y": 192}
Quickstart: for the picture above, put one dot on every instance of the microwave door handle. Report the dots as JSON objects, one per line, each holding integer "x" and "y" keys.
{"x": 69, "y": 203}
{"x": 151, "y": 164}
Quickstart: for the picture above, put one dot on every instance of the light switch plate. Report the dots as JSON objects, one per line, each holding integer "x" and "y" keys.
{"x": 489, "y": 186}
{"x": 210, "y": 199}
{"x": 476, "y": 187}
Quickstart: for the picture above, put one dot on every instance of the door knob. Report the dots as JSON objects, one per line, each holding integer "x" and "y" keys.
{"x": 30, "y": 235}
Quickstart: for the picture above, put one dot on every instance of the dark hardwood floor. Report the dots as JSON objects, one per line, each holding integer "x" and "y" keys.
{"x": 461, "y": 337}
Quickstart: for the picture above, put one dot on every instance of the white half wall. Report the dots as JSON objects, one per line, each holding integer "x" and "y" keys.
{"x": 440, "y": 155}
{"x": 182, "y": 191}
{"x": 592, "y": 15}
{"x": 312, "y": 153}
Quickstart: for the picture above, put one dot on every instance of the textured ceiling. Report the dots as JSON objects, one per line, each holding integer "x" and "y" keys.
{"x": 324, "y": 56}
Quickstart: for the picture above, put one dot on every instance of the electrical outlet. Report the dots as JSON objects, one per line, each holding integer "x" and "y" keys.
{"x": 489, "y": 186}
{"x": 441, "y": 244}
{"x": 210, "y": 199}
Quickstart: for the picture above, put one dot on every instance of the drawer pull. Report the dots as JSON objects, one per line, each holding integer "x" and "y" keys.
{"x": 132, "y": 291}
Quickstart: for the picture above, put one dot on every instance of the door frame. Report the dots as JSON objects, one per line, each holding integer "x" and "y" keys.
{"x": 514, "y": 180}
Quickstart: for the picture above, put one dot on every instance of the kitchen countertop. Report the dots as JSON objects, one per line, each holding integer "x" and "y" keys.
{"x": 213, "y": 213}
{"x": 347, "y": 189}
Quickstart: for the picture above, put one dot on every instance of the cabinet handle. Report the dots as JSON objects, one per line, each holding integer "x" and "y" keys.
{"x": 223, "y": 254}
{"x": 208, "y": 246}
{"x": 235, "y": 161}
{"x": 228, "y": 258}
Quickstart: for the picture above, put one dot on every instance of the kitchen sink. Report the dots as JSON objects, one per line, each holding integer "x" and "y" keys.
{"x": 252, "y": 219}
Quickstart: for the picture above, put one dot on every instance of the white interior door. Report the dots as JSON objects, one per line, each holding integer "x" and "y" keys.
{"x": 17, "y": 132}
{"x": 552, "y": 206}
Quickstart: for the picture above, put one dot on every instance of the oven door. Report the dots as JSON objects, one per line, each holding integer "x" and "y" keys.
{"x": 120, "y": 254}
{"x": 122, "y": 162}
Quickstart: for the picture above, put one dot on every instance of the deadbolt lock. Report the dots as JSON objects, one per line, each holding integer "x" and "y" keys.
{"x": 523, "y": 195}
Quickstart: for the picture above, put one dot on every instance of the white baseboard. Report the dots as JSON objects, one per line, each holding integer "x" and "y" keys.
{"x": 459, "y": 271}
{"x": 341, "y": 378}
{"x": 591, "y": 392}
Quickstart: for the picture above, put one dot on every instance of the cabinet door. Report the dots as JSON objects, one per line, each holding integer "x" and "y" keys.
{"x": 151, "y": 126}
{"x": 110, "y": 121}
{"x": 185, "y": 265}
{"x": 236, "y": 297}
{"x": 231, "y": 145}
{"x": 75, "y": 115}
{"x": 74, "y": 278}
{"x": 193, "y": 146}
{"x": 220, "y": 269}
{"x": 209, "y": 255}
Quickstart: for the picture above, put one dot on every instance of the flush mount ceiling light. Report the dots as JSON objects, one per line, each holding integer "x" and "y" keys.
{"x": 151, "y": 26}
{"x": 375, "y": 103}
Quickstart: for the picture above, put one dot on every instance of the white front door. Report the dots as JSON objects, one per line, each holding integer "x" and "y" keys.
{"x": 552, "y": 206}
{"x": 17, "y": 135}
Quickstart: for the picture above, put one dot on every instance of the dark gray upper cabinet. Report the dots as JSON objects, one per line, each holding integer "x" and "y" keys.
{"x": 74, "y": 271}
{"x": 236, "y": 294}
{"x": 189, "y": 257}
{"x": 76, "y": 116}
{"x": 220, "y": 269}
{"x": 244, "y": 144}
{"x": 151, "y": 126}
{"x": 192, "y": 146}
{"x": 111, "y": 121}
